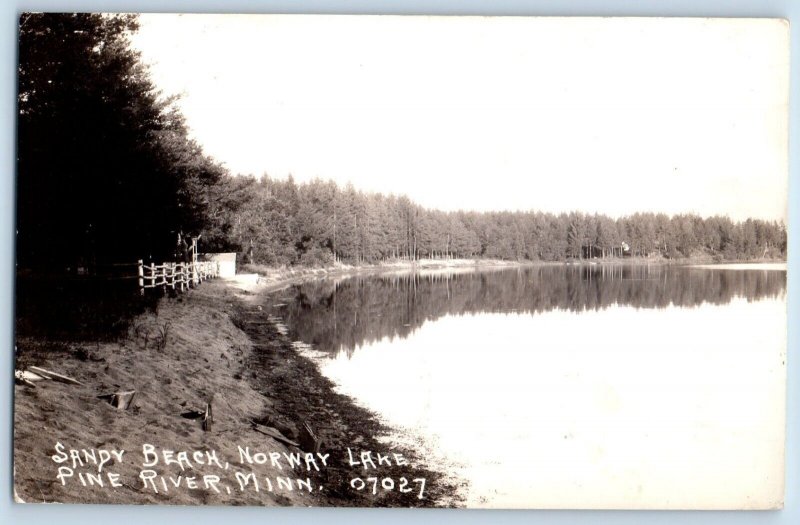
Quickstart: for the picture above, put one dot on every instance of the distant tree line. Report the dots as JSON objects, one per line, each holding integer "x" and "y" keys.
{"x": 282, "y": 222}
{"x": 106, "y": 172}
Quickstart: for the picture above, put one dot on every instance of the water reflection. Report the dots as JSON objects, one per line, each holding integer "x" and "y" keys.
{"x": 619, "y": 407}
{"x": 577, "y": 387}
{"x": 340, "y": 315}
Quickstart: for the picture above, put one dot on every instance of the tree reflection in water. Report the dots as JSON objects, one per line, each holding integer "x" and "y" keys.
{"x": 342, "y": 314}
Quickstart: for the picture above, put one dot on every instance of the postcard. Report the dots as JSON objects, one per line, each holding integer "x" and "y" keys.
{"x": 401, "y": 261}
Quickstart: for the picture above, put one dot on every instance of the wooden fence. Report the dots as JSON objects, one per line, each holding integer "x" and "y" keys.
{"x": 177, "y": 276}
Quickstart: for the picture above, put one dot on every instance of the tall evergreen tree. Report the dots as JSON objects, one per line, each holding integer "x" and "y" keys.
{"x": 105, "y": 169}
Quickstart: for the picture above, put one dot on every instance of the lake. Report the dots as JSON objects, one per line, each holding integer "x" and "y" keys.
{"x": 566, "y": 386}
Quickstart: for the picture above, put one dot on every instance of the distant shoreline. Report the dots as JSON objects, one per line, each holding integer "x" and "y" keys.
{"x": 269, "y": 279}
{"x": 767, "y": 266}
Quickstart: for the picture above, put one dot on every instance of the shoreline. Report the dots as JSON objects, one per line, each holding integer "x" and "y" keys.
{"x": 266, "y": 279}
{"x": 299, "y": 394}
{"x": 210, "y": 345}
{"x": 213, "y": 344}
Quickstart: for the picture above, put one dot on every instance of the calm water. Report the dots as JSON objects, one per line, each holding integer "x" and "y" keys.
{"x": 566, "y": 386}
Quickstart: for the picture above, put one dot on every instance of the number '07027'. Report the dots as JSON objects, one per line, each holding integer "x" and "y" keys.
{"x": 375, "y": 484}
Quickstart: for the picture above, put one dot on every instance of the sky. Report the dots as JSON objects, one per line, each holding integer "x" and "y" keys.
{"x": 492, "y": 113}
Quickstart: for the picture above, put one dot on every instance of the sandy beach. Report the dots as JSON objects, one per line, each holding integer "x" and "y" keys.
{"x": 209, "y": 346}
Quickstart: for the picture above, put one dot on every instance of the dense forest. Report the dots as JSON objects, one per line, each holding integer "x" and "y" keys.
{"x": 282, "y": 222}
{"x": 107, "y": 173}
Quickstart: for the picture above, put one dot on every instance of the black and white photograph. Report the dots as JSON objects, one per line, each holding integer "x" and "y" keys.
{"x": 483, "y": 262}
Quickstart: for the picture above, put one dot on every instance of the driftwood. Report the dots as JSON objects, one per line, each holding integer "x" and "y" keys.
{"x": 208, "y": 417}
{"x": 23, "y": 381}
{"x": 24, "y": 378}
{"x": 308, "y": 439}
{"x": 48, "y": 374}
{"x": 30, "y": 376}
{"x": 121, "y": 400}
{"x": 274, "y": 433}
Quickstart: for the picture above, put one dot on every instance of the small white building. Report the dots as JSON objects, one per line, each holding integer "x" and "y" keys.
{"x": 227, "y": 262}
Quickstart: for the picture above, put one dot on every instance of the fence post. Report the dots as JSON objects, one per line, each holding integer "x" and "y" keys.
{"x": 141, "y": 276}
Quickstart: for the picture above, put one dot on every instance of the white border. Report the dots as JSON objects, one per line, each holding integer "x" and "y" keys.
{"x": 75, "y": 514}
